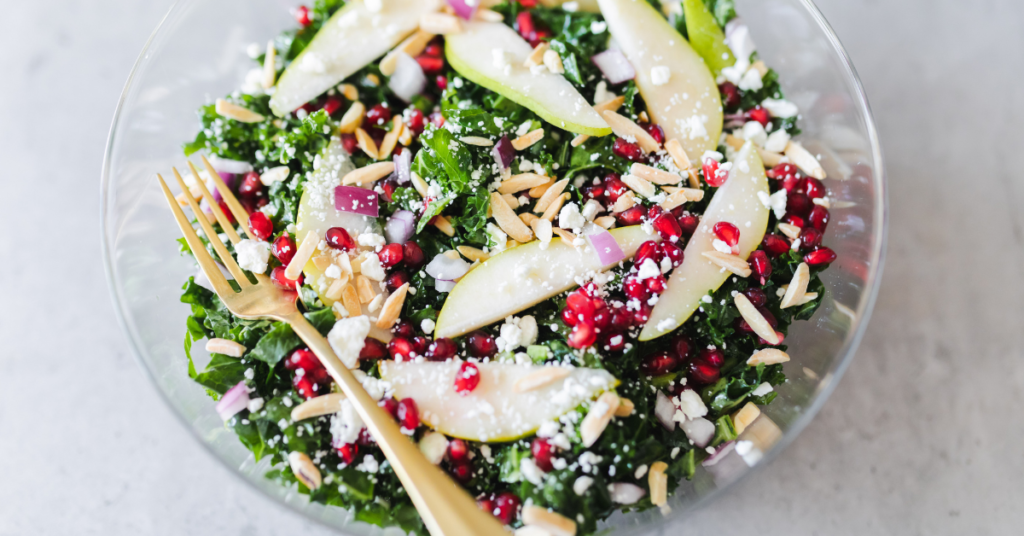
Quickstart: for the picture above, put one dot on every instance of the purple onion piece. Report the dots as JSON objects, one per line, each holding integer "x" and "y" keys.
{"x": 233, "y": 401}
{"x": 408, "y": 79}
{"x": 463, "y": 9}
{"x": 400, "y": 227}
{"x": 503, "y": 153}
{"x": 356, "y": 200}
{"x": 403, "y": 166}
{"x": 614, "y": 66}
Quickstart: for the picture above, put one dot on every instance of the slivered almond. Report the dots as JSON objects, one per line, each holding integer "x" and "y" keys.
{"x": 419, "y": 184}
{"x": 642, "y": 116}
{"x": 322, "y": 262}
{"x": 678, "y": 198}
{"x": 523, "y": 181}
{"x": 372, "y": 80}
{"x": 225, "y": 347}
{"x": 746, "y": 415}
{"x": 555, "y": 207}
{"x": 598, "y": 417}
{"x": 444, "y": 225}
{"x": 808, "y": 296}
{"x": 528, "y": 218}
{"x": 734, "y": 142}
{"x": 538, "y": 191}
{"x": 334, "y": 291}
{"x": 413, "y": 46}
{"x": 405, "y": 138}
{"x": 610, "y": 104}
{"x": 357, "y": 263}
{"x": 439, "y": 23}
{"x": 624, "y": 128}
{"x": 639, "y": 185}
{"x": 566, "y": 236}
{"x": 731, "y": 263}
{"x": 606, "y": 221}
{"x": 555, "y": 524}
{"x": 477, "y": 141}
{"x": 370, "y": 173}
{"x": 508, "y": 221}
{"x": 822, "y": 202}
{"x": 694, "y": 178}
{"x": 678, "y": 154}
{"x": 350, "y": 300}
{"x": 528, "y": 139}
{"x": 549, "y": 196}
{"x": 349, "y": 91}
{"x": 542, "y": 229}
{"x": 316, "y": 407}
{"x": 513, "y": 201}
{"x": 365, "y": 289}
{"x": 579, "y": 140}
{"x": 390, "y": 140}
{"x": 755, "y": 319}
{"x": 769, "y": 158}
{"x": 768, "y": 356}
{"x": 790, "y": 230}
{"x": 270, "y": 66}
{"x": 304, "y": 469}
{"x": 367, "y": 144}
{"x": 797, "y": 286}
{"x": 553, "y": 62}
{"x": 488, "y": 15}
{"x": 625, "y": 202}
{"x": 625, "y": 408}
{"x": 537, "y": 56}
{"x": 236, "y": 112}
{"x": 302, "y": 255}
{"x": 540, "y": 378}
{"x": 657, "y": 481}
{"x": 804, "y": 160}
{"x": 392, "y": 307}
{"x": 473, "y": 254}
{"x": 654, "y": 175}
{"x": 352, "y": 119}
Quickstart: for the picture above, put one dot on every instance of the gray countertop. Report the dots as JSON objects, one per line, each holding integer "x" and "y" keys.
{"x": 922, "y": 436}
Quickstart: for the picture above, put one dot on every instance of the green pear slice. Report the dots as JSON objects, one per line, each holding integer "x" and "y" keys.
{"x": 735, "y": 202}
{"x": 706, "y": 37}
{"x": 351, "y": 39}
{"x": 690, "y": 97}
{"x": 522, "y": 277}
{"x": 499, "y": 409}
{"x": 492, "y": 55}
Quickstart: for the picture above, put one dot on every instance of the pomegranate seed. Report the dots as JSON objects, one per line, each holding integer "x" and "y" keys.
{"x": 778, "y": 334}
{"x": 431, "y": 64}
{"x": 467, "y": 378}
{"x": 389, "y": 186}
{"x": 728, "y": 233}
{"x": 594, "y": 191}
{"x": 260, "y": 225}
{"x": 507, "y": 506}
{"x": 703, "y": 373}
{"x": 303, "y": 359}
{"x": 302, "y": 16}
{"x": 390, "y": 405}
{"x": 396, "y": 279}
{"x": 621, "y": 320}
{"x": 760, "y": 264}
{"x": 284, "y": 249}
{"x": 688, "y": 223}
{"x": 570, "y": 318}
{"x": 391, "y": 255}
{"x": 654, "y": 212}
{"x": 524, "y": 23}
{"x": 713, "y": 174}
{"x": 251, "y": 185}
{"x": 659, "y": 364}
{"x": 614, "y": 187}
{"x": 591, "y": 291}
{"x": 627, "y": 150}
{"x": 655, "y": 131}
{"x": 331, "y": 105}
{"x": 404, "y": 329}
{"x": 349, "y": 142}
{"x": 756, "y": 296}
{"x": 775, "y": 245}
{"x": 528, "y": 4}
{"x": 614, "y": 342}
{"x": 730, "y": 96}
{"x": 819, "y": 217}
{"x": 378, "y": 115}
{"x": 437, "y": 119}
{"x": 820, "y": 256}
{"x": 348, "y": 452}
{"x": 338, "y": 238}
{"x": 458, "y": 451}
{"x": 582, "y": 335}
{"x": 441, "y": 81}
{"x": 673, "y": 252}
{"x": 480, "y": 344}
{"x": 768, "y": 316}
{"x": 442, "y": 349}
{"x": 543, "y": 451}
{"x": 486, "y": 503}
{"x": 636, "y": 289}
{"x": 656, "y": 284}
{"x": 281, "y": 280}
{"x": 580, "y": 304}
{"x": 794, "y": 220}
{"x": 668, "y": 227}
{"x": 810, "y": 238}
{"x": 641, "y": 316}
{"x": 434, "y": 48}
{"x": 712, "y": 356}
{"x": 407, "y": 414}
{"x": 415, "y": 120}
{"x": 420, "y": 345}
{"x": 798, "y": 204}
{"x": 227, "y": 212}
{"x": 760, "y": 115}
{"x": 373, "y": 350}
{"x": 602, "y": 318}
{"x": 631, "y": 216}
{"x": 794, "y": 185}
{"x": 743, "y": 326}
{"x": 647, "y": 250}
{"x": 305, "y": 386}
{"x": 782, "y": 172}
{"x": 365, "y": 439}
{"x": 400, "y": 348}
{"x": 815, "y": 189}
{"x": 462, "y": 472}
{"x": 682, "y": 346}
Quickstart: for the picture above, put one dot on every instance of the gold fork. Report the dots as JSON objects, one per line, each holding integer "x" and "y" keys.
{"x": 446, "y": 509}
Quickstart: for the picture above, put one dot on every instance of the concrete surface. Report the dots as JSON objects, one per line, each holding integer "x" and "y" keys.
{"x": 922, "y": 436}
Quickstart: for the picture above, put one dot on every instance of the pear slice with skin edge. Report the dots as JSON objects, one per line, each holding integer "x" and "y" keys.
{"x": 492, "y": 55}
{"x": 493, "y": 411}
{"x": 648, "y": 41}
{"x": 735, "y": 202}
{"x": 522, "y": 277}
{"x": 351, "y": 39}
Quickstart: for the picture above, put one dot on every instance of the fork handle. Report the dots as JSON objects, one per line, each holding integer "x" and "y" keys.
{"x": 446, "y": 508}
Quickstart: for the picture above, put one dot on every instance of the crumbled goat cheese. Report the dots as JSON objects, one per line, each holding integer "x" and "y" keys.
{"x": 648, "y": 269}
{"x": 346, "y": 424}
{"x": 777, "y": 141}
{"x": 780, "y": 108}
{"x": 570, "y": 217}
{"x": 372, "y": 268}
{"x": 333, "y": 271}
{"x": 754, "y": 131}
{"x": 253, "y": 255}
{"x": 762, "y": 389}
{"x": 369, "y": 465}
{"x": 660, "y": 75}
{"x": 582, "y": 484}
{"x": 751, "y": 81}
{"x": 531, "y": 472}
{"x": 375, "y": 240}
{"x": 347, "y": 338}
{"x": 427, "y": 326}
{"x": 690, "y": 406}
{"x": 721, "y": 246}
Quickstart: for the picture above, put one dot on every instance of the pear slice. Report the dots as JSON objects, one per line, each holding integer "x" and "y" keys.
{"x": 706, "y": 37}
{"x": 690, "y": 97}
{"x": 492, "y": 55}
{"x": 496, "y": 410}
{"x": 351, "y": 39}
{"x": 522, "y": 277}
{"x": 736, "y": 202}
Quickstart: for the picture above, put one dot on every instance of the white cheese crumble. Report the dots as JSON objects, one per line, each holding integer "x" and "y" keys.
{"x": 648, "y": 269}
{"x": 689, "y": 406}
{"x": 345, "y": 425}
{"x": 253, "y": 255}
{"x": 570, "y": 217}
{"x": 777, "y": 141}
{"x": 762, "y": 389}
{"x": 372, "y": 268}
{"x": 347, "y": 338}
{"x": 780, "y": 108}
{"x": 427, "y": 326}
{"x": 660, "y": 75}
{"x": 755, "y": 132}
{"x": 582, "y": 484}
{"x": 374, "y": 240}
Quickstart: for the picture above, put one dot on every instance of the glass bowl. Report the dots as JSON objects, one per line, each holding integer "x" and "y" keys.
{"x": 199, "y": 53}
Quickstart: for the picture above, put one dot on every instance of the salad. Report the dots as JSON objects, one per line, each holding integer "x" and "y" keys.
{"x": 560, "y": 242}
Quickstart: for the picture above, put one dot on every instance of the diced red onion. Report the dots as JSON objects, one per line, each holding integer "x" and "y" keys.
{"x": 625, "y": 493}
{"x": 229, "y": 166}
{"x": 503, "y": 153}
{"x": 408, "y": 79}
{"x": 614, "y": 66}
{"x": 403, "y": 166}
{"x": 356, "y": 200}
{"x": 444, "y": 286}
{"x": 464, "y": 8}
{"x": 608, "y": 250}
{"x": 229, "y": 181}
{"x": 664, "y": 409}
{"x": 445, "y": 268}
{"x": 400, "y": 227}
{"x": 233, "y": 401}
{"x": 699, "y": 430}
{"x": 721, "y": 452}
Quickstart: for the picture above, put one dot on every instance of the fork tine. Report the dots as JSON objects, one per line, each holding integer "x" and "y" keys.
{"x": 206, "y": 262}
{"x": 225, "y": 257}
{"x": 241, "y": 216}
{"x": 224, "y": 223}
